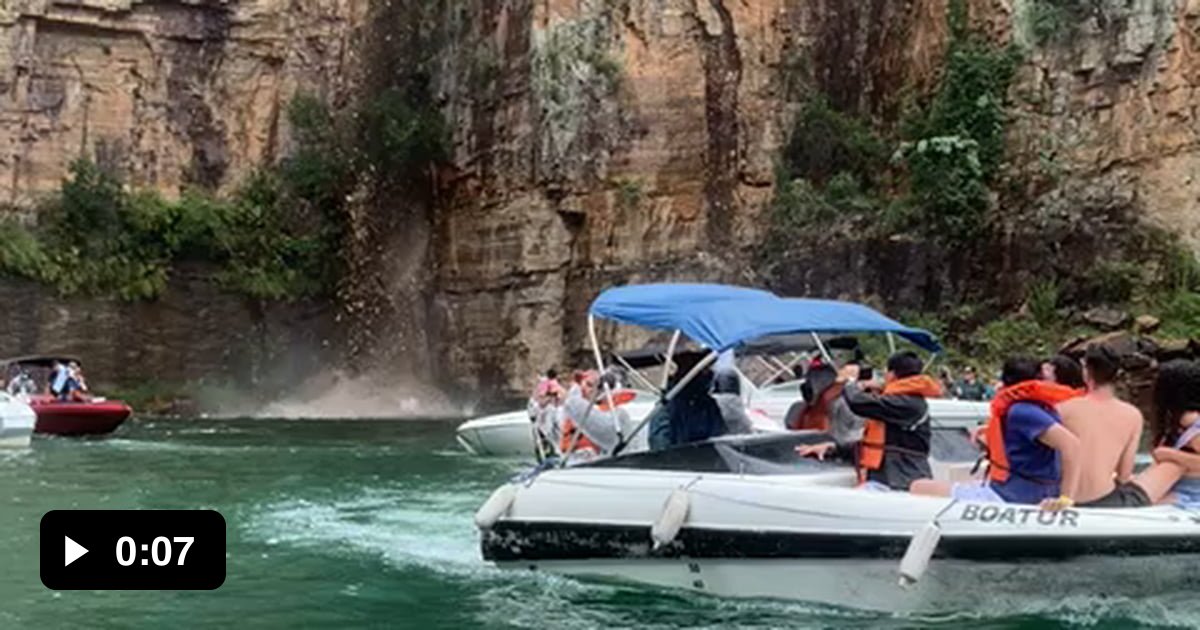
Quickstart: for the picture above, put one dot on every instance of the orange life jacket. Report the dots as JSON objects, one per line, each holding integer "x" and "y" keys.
{"x": 816, "y": 415}
{"x": 1043, "y": 392}
{"x": 619, "y": 397}
{"x": 568, "y": 437}
{"x": 874, "y": 441}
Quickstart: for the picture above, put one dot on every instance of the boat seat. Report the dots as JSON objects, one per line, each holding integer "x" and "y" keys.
{"x": 954, "y": 472}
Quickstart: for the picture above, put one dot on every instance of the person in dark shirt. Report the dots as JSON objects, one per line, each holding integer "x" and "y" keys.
{"x": 894, "y": 450}
{"x": 692, "y": 415}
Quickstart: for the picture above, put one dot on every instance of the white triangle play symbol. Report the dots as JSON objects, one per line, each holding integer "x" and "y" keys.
{"x": 72, "y": 550}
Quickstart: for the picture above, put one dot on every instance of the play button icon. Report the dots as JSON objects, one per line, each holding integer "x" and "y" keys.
{"x": 72, "y": 551}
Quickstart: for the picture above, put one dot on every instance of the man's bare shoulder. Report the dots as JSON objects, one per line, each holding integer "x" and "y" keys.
{"x": 1071, "y": 404}
{"x": 1072, "y": 407}
{"x": 1128, "y": 410}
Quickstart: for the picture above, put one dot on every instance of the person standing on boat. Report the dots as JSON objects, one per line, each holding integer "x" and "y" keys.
{"x": 548, "y": 395}
{"x": 894, "y": 450}
{"x": 1032, "y": 458}
{"x": 59, "y": 376}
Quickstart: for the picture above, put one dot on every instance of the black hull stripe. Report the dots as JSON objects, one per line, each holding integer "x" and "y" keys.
{"x": 512, "y": 541}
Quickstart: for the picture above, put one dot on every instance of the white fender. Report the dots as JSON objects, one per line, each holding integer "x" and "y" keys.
{"x": 920, "y": 549}
{"x": 496, "y": 506}
{"x": 671, "y": 519}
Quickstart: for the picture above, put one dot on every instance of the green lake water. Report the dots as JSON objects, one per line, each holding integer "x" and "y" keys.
{"x": 342, "y": 524}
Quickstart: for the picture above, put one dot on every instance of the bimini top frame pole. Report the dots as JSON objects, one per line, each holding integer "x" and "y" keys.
{"x": 669, "y": 362}
{"x": 603, "y": 382}
{"x": 666, "y": 398}
{"x": 636, "y": 373}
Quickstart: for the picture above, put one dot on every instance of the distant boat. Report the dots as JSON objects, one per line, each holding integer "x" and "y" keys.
{"x": 16, "y": 422}
{"x": 28, "y": 380}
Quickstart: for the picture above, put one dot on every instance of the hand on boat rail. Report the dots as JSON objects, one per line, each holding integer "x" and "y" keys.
{"x": 820, "y": 451}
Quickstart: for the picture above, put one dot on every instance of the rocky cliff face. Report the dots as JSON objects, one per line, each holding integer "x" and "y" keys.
{"x": 171, "y": 93}
{"x": 597, "y": 142}
{"x": 635, "y": 141}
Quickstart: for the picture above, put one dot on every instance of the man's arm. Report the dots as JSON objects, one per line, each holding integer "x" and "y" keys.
{"x": 902, "y": 411}
{"x": 1069, "y": 450}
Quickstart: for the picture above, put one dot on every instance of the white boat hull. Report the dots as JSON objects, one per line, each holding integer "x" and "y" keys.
{"x": 812, "y": 537}
{"x": 501, "y": 435}
{"x": 17, "y": 420}
{"x": 510, "y": 434}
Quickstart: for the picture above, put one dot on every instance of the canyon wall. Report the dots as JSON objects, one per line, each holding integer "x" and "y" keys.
{"x": 170, "y": 95}
{"x": 636, "y": 141}
{"x": 598, "y": 142}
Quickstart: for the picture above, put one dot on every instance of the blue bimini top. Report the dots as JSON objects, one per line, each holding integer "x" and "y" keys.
{"x": 723, "y": 317}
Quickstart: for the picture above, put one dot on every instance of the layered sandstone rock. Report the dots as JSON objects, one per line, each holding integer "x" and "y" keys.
{"x": 597, "y": 142}
{"x": 172, "y": 94}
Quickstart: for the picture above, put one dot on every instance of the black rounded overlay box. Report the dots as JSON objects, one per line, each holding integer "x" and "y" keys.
{"x": 132, "y": 550}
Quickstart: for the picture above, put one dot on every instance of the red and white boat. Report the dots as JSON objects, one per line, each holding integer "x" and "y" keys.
{"x": 28, "y": 378}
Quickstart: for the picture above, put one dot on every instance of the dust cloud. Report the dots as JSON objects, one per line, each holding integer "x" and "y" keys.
{"x": 335, "y": 394}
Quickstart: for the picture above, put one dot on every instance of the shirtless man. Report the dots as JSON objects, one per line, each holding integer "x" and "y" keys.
{"x": 1109, "y": 430}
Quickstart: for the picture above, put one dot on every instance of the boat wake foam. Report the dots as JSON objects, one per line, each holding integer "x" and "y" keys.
{"x": 433, "y": 531}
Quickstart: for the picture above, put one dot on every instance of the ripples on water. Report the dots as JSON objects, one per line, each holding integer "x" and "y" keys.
{"x": 368, "y": 523}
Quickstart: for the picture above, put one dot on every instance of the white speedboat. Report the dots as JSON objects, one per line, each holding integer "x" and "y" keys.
{"x": 808, "y": 535}
{"x": 510, "y": 434}
{"x": 17, "y": 420}
{"x": 746, "y": 516}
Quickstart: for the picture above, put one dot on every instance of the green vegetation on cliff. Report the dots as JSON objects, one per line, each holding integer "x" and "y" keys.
{"x": 931, "y": 176}
{"x": 276, "y": 237}
{"x": 935, "y": 199}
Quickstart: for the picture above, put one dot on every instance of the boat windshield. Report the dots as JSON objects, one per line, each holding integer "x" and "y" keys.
{"x": 771, "y": 454}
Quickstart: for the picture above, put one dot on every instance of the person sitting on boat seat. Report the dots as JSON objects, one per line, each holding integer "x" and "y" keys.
{"x": 589, "y": 430}
{"x": 1175, "y": 474}
{"x": 1063, "y": 370}
{"x": 77, "y": 383}
{"x": 1109, "y": 430}
{"x": 727, "y": 392}
{"x": 894, "y": 450}
{"x": 21, "y": 383}
{"x": 822, "y": 408}
{"x": 691, "y": 415}
{"x": 1032, "y": 457}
